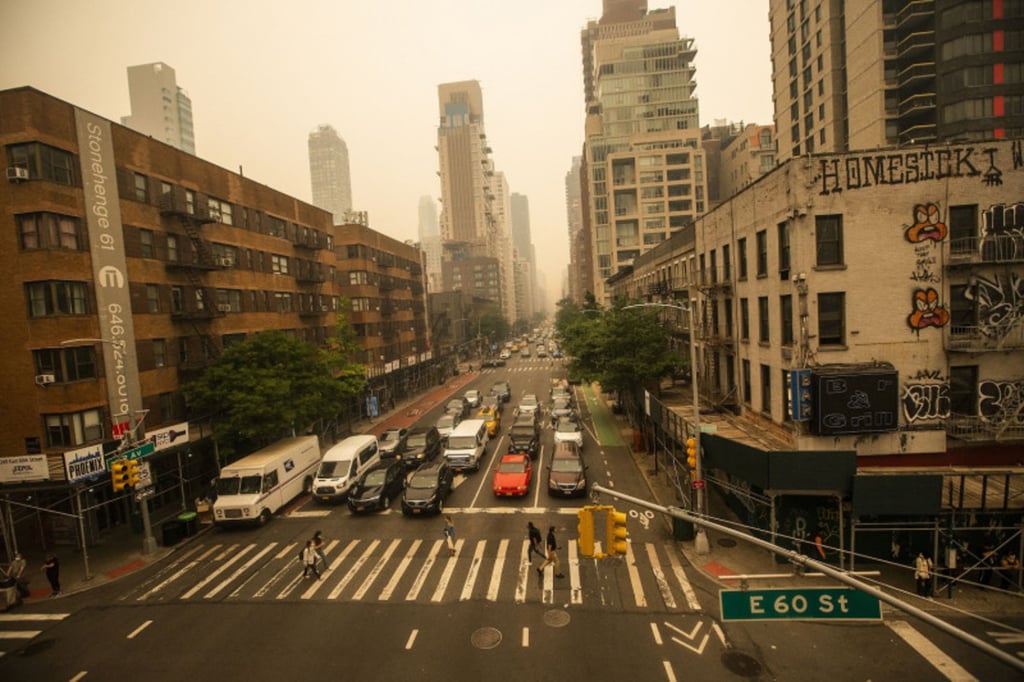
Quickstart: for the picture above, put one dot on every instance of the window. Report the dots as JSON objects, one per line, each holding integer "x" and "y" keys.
{"x": 146, "y": 243}
{"x": 762, "y": 253}
{"x": 141, "y": 188}
{"x": 56, "y": 298}
{"x": 828, "y": 237}
{"x": 152, "y": 298}
{"x": 763, "y": 326}
{"x": 177, "y": 299}
{"x": 220, "y": 210}
{"x": 284, "y": 301}
{"x": 184, "y": 354}
{"x": 963, "y": 387}
{"x": 766, "y": 389}
{"x": 744, "y": 320}
{"x": 278, "y": 264}
{"x": 159, "y": 353}
{"x": 831, "y": 319}
{"x": 172, "y": 248}
{"x": 43, "y": 162}
{"x": 726, "y": 265}
{"x": 741, "y": 255}
{"x": 50, "y": 231}
{"x": 784, "y": 251}
{"x": 745, "y": 369}
{"x": 786, "y": 319}
{"x": 166, "y": 402}
{"x": 76, "y": 428}
{"x": 66, "y": 364}
{"x": 963, "y": 228}
{"x": 963, "y": 315}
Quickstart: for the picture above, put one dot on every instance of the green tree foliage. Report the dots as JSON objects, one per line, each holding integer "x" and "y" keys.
{"x": 271, "y": 385}
{"x": 621, "y": 349}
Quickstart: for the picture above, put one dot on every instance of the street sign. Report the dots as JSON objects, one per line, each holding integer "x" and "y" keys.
{"x": 698, "y": 484}
{"x": 135, "y": 453}
{"x": 143, "y": 493}
{"x": 808, "y": 603}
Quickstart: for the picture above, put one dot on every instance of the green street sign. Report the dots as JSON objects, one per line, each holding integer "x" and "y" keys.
{"x": 147, "y": 448}
{"x": 809, "y": 603}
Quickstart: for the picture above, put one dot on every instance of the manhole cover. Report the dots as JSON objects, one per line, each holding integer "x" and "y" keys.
{"x": 726, "y": 542}
{"x": 556, "y": 618}
{"x": 741, "y": 664}
{"x": 486, "y": 638}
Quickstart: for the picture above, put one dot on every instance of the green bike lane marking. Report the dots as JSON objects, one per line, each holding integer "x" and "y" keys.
{"x": 605, "y": 429}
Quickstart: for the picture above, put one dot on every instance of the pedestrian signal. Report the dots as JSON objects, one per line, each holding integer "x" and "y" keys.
{"x": 119, "y": 474}
{"x": 691, "y": 452}
{"x": 616, "y": 534}
{"x": 585, "y": 528}
{"x": 133, "y": 473}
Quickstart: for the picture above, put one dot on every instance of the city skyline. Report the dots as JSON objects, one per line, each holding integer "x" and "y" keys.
{"x": 243, "y": 93}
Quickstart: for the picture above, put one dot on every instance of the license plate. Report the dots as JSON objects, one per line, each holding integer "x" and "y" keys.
{"x": 359, "y": 508}
{"x": 416, "y": 511}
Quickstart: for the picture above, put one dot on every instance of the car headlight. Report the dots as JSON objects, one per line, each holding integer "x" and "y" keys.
{"x": 581, "y": 483}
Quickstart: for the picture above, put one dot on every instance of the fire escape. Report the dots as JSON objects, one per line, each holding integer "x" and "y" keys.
{"x": 715, "y": 336}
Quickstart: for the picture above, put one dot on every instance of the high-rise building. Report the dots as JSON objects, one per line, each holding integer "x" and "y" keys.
{"x": 430, "y": 242}
{"x": 645, "y": 168}
{"x": 329, "y": 172}
{"x": 882, "y": 73}
{"x": 580, "y": 273}
{"x": 160, "y": 108}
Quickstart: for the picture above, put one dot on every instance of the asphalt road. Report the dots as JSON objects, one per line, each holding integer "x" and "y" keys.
{"x": 232, "y": 605}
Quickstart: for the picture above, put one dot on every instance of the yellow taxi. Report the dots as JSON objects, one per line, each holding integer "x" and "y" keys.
{"x": 493, "y": 419}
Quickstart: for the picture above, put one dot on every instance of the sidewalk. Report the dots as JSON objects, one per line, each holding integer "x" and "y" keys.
{"x": 120, "y": 551}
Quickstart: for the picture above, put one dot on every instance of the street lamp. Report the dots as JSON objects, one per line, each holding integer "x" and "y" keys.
{"x": 130, "y": 437}
{"x": 700, "y": 542}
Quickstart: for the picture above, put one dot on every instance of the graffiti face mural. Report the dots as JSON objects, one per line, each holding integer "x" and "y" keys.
{"x": 927, "y": 224}
{"x": 927, "y": 311}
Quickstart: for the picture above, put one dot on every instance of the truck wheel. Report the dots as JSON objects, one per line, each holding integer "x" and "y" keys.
{"x": 264, "y": 516}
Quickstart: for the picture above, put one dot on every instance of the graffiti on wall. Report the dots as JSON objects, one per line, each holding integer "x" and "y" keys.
{"x": 927, "y": 224}
{"x": 926, "y": 397}
{"x": 1001, "y": 401}
{"x": 1002, "y": 233}
{"x": 999, "y": 301}
{"x": 853, "y": 172}
{"x": 926, "y": 310}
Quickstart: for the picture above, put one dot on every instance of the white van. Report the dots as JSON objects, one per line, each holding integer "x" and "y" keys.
{"x": 466, "y": 444}
{"x": 343, "y": 464}
{"x": 256, "y": 486}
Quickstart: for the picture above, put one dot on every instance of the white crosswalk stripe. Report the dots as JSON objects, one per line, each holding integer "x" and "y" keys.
{"x": 19, "y": 626}
{"x": 416, "y": 570}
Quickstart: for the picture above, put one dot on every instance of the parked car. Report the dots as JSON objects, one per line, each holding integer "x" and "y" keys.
{"x": 422, "y": 445}
{"x": 502, "y": 390}
{"x": 377, "y": 487}
{"x": 567, "y": 475}
{"x": 513, "y": 475}
{"x": 493, "y": 419}
{"x": 529, "y": 404}
{"x": 427, "y": 489}
{"x": 446, "y": 423}
{"x": 393, "y": 442}
{"x": 457, "y": 406}
{"x": 472, "y": 397}
{"x": 567, "y": 429}
{"x": 524, "y": 436}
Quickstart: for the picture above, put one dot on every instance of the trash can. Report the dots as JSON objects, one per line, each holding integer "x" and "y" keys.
{"x": 681, "y": 529}
{"x": 171, "y": 532}
{"x": 188, "y": 523}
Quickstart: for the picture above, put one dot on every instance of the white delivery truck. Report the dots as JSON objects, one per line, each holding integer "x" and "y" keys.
{"x": 253, "y": 488}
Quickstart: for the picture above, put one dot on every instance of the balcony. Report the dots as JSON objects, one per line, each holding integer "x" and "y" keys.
{"x": 197, "y": 314}
{"x": 310, "y": 276}
{"x": 308, "y": 243}
{"x": 918, "y": 44}
{"x": 713, "y": 280}
{"x": 998, "y": 428}
{"x": 314, "y": 311}
{"x": 915, "y": 15}
{"x": 983, "y": 338}
{"x": 918, "y": 133}
{"x": 997, "y": 248}
{"x": 178, "y": 203}
{"x": 917, "y": 71}
{"x": 917, "y": 104}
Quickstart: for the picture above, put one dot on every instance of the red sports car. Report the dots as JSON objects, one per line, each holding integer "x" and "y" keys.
{"x": 513, "y": 475}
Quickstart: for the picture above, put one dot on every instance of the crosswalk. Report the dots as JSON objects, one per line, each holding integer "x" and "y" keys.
{"x": 649, "y": 577}
{"x": 18, "y": 627}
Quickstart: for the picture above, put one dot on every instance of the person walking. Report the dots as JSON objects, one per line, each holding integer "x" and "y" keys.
{"x": 923, "y": 574}
{"x": 318, "y": 547}
{"x": 52, "y": 570}
{"x": 309, "y": 559}
{"x": 16, "y": 572}
{"x": 552, "y": 546}
{"x": 536, "y": 543}
{"x": 449, "y": 535}
{"x": 819, "y": 544}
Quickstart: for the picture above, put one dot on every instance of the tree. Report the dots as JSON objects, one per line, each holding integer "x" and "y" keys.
{"x": 272, "y": 385}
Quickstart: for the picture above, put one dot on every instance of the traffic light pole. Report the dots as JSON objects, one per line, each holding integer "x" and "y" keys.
{"x": 148, "y": 541}
{"x": 843, "y": 577}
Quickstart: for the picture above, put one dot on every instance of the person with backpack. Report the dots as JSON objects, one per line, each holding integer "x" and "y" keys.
{"x": 309, "y": 558}
{"x": 318, "y": 547}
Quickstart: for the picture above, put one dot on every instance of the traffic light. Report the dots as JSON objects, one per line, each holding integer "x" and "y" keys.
{"x": 616, "y": 533}
{"x": 691, "y": 453}
{"x": 133, "y": 473}
{"x": 119, "y": 474}
{"x": 585, "y": 528}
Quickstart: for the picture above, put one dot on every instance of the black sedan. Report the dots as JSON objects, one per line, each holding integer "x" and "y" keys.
{"x": 377, "y": 487}
{"x": 428, "y": 487}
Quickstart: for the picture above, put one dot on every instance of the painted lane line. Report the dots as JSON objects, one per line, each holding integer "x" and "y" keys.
{"x": 139, "y": 629}
{"x": 13, "y": 617}
{"x": 670, "y": 675}
{"x": 412, "y": 638}
{"x": 634, "y": 577}
{"x": 239, "y": 571}
{"x": 363, "y": 558}
{"x": 228, "y": 551}
{"x": 210, "y": 578}
{"x": 164, "y": 571}
{"x": 575, "y": 585}
{"x": 421, "y": 577}
{"x": 287, "y": 569}
{"x": 19, "y": 634}
{"x": 684, "y": 582}
{"x": 526, "y": 637}
{"x": 499, "y": 567}
{"x": 525, "y": 569}
{"x": 656, "y": 633}
{"x": 949, "y": 668}
{"x": 177, "y": 574}
{"x": 377, "y": 569}
{"x": 659, "y": 577}
{"x": 474, "y": 571}
{"x": 446, "y": 574}
{"x": 79, "y": 676}
{"x": 396, "y": 576}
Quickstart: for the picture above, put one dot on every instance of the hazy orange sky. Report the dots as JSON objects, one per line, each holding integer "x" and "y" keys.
{"x": 263, "y": 74}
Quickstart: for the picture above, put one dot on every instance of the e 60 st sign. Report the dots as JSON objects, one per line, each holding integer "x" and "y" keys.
{"x": 809, "y": 603}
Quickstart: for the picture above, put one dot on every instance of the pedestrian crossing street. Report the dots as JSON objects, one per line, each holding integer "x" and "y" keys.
{"x": 18, "y": 627}
{"x": 650, "y": 577}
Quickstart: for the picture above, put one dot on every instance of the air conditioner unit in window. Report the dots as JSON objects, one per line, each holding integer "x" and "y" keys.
{"x": 226, "y": 262}
{"x": 44, "y": 379}
{"x": 323, "y": 309}
{"x": 224, "y": 307}
{"x": 17, "y": 173}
